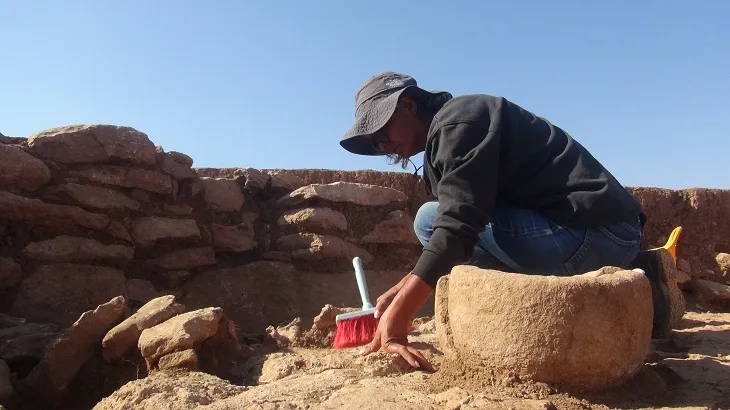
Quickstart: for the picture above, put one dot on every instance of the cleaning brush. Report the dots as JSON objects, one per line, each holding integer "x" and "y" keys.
{"x": 356, "y": 328}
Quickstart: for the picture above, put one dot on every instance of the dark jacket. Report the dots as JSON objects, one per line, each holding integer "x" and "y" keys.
{"x": 484, "y": 152}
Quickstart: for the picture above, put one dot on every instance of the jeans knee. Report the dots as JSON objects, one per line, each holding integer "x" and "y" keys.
{"x": 423, "y": 222}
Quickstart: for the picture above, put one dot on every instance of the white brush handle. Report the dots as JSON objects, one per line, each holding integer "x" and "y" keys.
{"x": 362, "y": 284}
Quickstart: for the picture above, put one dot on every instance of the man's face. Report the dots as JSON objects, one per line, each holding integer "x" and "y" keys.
{"x": 404, "y": 134}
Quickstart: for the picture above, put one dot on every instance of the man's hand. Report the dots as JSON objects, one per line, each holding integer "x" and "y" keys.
{"x": 392, "y": 333}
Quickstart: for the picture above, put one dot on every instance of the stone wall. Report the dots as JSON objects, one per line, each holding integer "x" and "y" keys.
{"x": 88, "y": 213}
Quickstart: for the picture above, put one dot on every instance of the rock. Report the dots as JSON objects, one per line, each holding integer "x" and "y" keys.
{"x": 141, "y": 290}
{"x": 682, "y": 278}
{"x": 174, "y": 278}
{"x": 308, "y": 247}
{"x": 150, "y": 231}
{"x": 162, "y": 391}
{"x": 96, "y": 197}
{"x": 281, "y": 179}
{"x": 120, "y": 340}
{"x": 684, "y": 266}
{"x": 67, "y": 355}
{"x": 585, "y": 332}
{"x": 397, "y": 228}
{"x": 181, "y": 158}
{"x": 176, "y": 169}
{"x": 723, "y": 262}
{"x": 77, "y": 144}
{"x": 286, "y": 336}
{"x": 182, "y": 360}
{"x": 348, "y": 192}
{"x": 178, "y": 209}
{"x": 7, "y": 321}
{"x": 185, "y": 258}
{"x": 35, "y": 212}
{"x": 74, "y": 249}
{"x": 254, "y": 296}
{"x": 116, "y": 230}
{"x": 10, "y": 273}
{"x": 182, "y": 332}
{"x": 17, "y": 168}
{"x": 255, "y": 179}
{"x": 26, "y": 342}
{"x": 713, "y": 293}
{"x": 238, "y": 238}
{"x": 6, "y": 389}
{"x": 126, "y": 177}
{"x": 77, "y": 288}
{"x": 315, "y": 220}
{"x": 222, "y": 195}
{"x": 382, "y": 364}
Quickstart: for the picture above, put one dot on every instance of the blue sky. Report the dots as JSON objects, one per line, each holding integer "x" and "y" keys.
{"x": 644, "y": 85}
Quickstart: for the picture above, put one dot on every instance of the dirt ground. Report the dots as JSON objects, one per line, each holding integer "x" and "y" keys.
{"x": 688, "y": 370}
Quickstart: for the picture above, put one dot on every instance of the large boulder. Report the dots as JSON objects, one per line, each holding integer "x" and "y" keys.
{"x": 207, "y": 332}
{"x": 64, "y": 359}
{"x": 76, "y": 288}
{"x": 253, "y": 296}
{"x": 162, "y": 391}
{"x": 588, "y": 332}
{"x": 76, "y": 144}
{"x": 20, "y": 169}
{"x": 24, "y": 342}
{"x": 120, "y": 340}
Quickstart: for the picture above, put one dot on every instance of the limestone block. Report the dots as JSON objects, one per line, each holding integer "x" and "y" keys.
{"x": 348, "y": 192}
{"x": 75, "y": 144}
{"x": 74, "y": 287}
{"x": 20, "y": 169}
{"x": 97, "y": 197}
{"x": 36, "y": 212}
{"x": 222, "y": 195}
{"x": 314, "y": 220}
{"x": 126, "y": 177}
{"x": 397, "y": 228}
{"x": 124, "y": 336}
{"x": 308, "y": 247}
{"x": 149, "y": 231}
{"x": 69, "y": 353}
{"x": 589, "y": 332}
{"x": 66, "y": 248}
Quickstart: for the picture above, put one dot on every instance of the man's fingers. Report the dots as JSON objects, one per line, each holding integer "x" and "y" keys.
{"x": 371, "y": 347}
{"x": 422, "y": 360}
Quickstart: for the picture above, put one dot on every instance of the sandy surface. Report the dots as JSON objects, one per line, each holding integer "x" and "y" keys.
{"x": 690, "y": 369}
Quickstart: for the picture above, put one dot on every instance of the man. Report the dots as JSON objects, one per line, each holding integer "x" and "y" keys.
{"x": 514, "y": 192}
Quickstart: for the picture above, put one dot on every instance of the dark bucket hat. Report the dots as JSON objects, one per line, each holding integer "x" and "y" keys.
{"x": 375, "y": 103}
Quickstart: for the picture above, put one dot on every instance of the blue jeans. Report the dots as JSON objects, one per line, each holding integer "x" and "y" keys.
{"x": 523, "y": 241}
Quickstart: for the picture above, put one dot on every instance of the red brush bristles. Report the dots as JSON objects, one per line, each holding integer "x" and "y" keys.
{"x": 356, "y": 331}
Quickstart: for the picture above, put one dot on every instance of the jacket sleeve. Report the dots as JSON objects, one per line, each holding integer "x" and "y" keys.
{"x": 467, "y": 157}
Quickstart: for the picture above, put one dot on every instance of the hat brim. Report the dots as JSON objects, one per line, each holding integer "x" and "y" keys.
{"x": 358, "y": 139}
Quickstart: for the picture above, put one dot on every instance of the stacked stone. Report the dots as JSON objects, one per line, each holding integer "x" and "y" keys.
{"x": 336, "y": 222}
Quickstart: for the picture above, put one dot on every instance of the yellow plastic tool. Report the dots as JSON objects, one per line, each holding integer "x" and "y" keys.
{"x": 671, "y": 244}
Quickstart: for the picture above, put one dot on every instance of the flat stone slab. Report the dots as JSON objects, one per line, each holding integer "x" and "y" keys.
{"x": 348, "y": 192}
{"x": 590, "y": 332}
